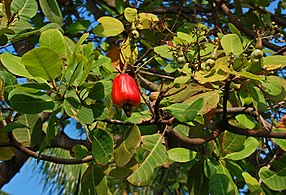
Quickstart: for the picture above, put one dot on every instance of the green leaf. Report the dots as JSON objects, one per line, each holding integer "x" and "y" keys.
{"x": 86, "y": 70}
{"x": 231, "y": 142}
{"x": 43, "y": 63}
{"x": 30, "y": 103}
{"x": 192, "y": 111}
{"x": 78, "y": 26}
{"x": 23, "y": 135}
{"x": 146, "y": 20}
{"x": 130, "y": 14}
{"x": 234, "y": 30}
{"x": 182, "y": 79}
{"x": 138, "y": 117}
{"x": 197, "y": 182}
{"x": 272, "y": 86}
{"x": 108, "y": 27}
{"x": 127, "y": 148}
{"x": 257, "y": 95}
{"x": 182, "y": 129}
{"x": 211, "y": 99}
{"x": 157, "y": 157}
{"x": 220, "y": 184}
{"x": 100, "y": 90}
{"x": 91, "y": 178}
{"x": 245, "y": 120}
{"x": 54, "y": 40}
{"x": 120, "y": 6}
{"x": 249, "y": 147}
{"x": 34, "y": 124}
{"x": 120, "y": 172}
{"x": 102, "y": 146}
{"x": 186, "y": 37}
{"x": 26, "y": 129}
{"x": 14, "y": 65}
{"x": 181, "y": 154}
{"x": 70, "y": 46}
{"x": 80, "y": 151}
{"x": 231, "y": 44}
{"x": 51, "y": 26}
{"x": 51, "y": 131}
{"x": 80, "y": 112}
{"x": 178, "y": 111}
{"x": 274, "y": 62}
{"x": 280, "y": 142}
{"x": 100, "y": 111}
{"x": 52, "y": 11}
{"x": 221, "y": 181}
{"x": 274, "y": 180}
{"x": 164, "y": 51}
{"x": 252, "y": 183}
{"x": 24, "y": 9}
{"x": 249, "y": 75}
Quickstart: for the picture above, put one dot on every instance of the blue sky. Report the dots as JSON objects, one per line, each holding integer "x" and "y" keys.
{"x": 27, "y": 181}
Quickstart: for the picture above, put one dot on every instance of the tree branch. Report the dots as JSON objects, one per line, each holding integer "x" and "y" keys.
{"x": 186, "y": 142}
{"x": 36, "y": 155}
{"x": 255, "y": 133}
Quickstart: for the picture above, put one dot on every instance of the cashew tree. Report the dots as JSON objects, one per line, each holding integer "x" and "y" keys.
{"x": 164, "y": 97}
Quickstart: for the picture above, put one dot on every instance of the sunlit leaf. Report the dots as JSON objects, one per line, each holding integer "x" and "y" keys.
{"x": 231, "y": 44}
{"x": 129, "y": 52}
{"x": 14, "y": 65}
{"x": 181, "y": 154}
{"x": 164, "y": 51}
{"x": 245, "y": 120}
{"x": 249, "y": 147}
{"x": 280, "y": 142}
{"x": 147, "y": 20}
{"x": 24, "y": 9}
{"x": 127, "y": 148}
{"x": 157, "y": 157}
{"x": 130, "y": 14}
{"x": 274, "y": 180}
{"x": 108, "y": 27}
{"x": 43, "y": 63}
{"x": 252, "y": 183}
{"x": 211, "y": 100}
{"x": 54, "y": 40}
{"x": 274, "y": 62}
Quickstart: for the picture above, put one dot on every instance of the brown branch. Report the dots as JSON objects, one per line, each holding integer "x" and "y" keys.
{"x": 147, "y": 84}
{"x": 255, "y": 133}
{"x": 237, "y": 110}
{"x": 63, "y": 141}
{"x": 232, "y": 19}
{"x": 156, "y": 75}
{"x": 53, "y": 159}
{"x": 187, "y": 141}
{"x": 144, "y": 96}
{"x": 225, "y": 98}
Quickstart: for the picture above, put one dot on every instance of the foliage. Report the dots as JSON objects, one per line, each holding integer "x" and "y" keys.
{"x": 213, "y": 122}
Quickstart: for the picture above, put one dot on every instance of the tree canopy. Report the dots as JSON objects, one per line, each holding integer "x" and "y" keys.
{"x": 211, "y": 78}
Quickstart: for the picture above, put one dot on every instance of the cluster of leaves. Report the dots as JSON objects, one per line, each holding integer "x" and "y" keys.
{"x": 189, "y": 66}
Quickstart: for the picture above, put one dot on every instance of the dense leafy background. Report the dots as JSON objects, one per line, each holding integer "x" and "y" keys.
{"x": 212, "y": 81}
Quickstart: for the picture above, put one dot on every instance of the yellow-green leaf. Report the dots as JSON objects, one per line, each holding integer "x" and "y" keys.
{"x": 108, "y": 27}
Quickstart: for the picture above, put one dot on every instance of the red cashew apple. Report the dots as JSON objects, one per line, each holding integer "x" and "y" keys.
{"x": 125, "y": 93}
